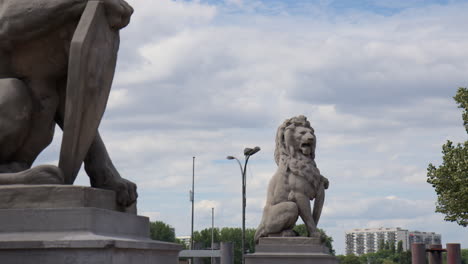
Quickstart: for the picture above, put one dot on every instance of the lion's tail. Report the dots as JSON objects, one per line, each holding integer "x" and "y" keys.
{"x": 260, "y": 232}
{"x": 318, "y": 204}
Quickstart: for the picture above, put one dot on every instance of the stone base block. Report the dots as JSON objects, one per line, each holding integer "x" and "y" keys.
{"x": 109, "y": 252}
{"x": 79, "y": 233}
{"x": 58, "y": 196}
{"x": 290, "y": 250}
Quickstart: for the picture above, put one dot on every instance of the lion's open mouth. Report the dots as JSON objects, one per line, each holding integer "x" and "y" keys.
{"x": 306, "y": 148}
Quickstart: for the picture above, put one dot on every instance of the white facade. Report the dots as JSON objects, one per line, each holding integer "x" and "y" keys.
{"x": 424, "y": 237}
{"x": 185, "y": 240}
{"x": 362, "y": 241}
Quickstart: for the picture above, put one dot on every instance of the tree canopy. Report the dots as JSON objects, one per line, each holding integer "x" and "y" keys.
{"x": 450, "y": 180}
{"x": 327, "y": 240}
{"x": 387, "y": 255}
{"x": 162, "y": 231}
{"x": 226, "y": 234}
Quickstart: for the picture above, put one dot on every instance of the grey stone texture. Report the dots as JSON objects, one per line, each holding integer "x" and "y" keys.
{"x": 290, "y": 250}
{"x": 295, "y": 184}
{"x": 59, "y": 196}
{"x": 227, "y": 253}
{"x": 93, "y": 50}
{"x": 45, "y": 80}
{"x": 88, "y": 229}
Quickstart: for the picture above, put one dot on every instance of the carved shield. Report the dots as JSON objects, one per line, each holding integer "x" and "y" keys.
{"x": 91, "y": 66}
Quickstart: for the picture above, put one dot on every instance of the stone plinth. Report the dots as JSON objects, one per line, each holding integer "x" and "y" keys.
{"x": 58, "y": 196}
{"x": 290, "y": 250}
{"x": 86, "y": 228}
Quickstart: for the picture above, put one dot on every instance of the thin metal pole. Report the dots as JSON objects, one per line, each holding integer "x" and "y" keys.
{"x": 193, "y": 200}
{"x": 247, "y": 153}
{"x": 212, "y": 233}
{"x": 243, "y": 206}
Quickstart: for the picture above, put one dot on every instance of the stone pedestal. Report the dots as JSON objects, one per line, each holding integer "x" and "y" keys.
{"x": 73, "y": 224}
{"x": 290, "y": 250}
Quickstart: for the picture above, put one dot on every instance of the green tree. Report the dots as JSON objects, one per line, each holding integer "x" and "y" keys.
{"x": 349, "y": 259}
{"x": 387, "y": 256}
{"x": 227, "y": 234}
{"x": 301, "y": 230}
{"x": 392, "y": 246}
{"x": 162, "y": 231}
{"x": 450, "y": 179}
{"x": 203, "y": 237}
{"x": 400, "y": 247}
{"x": 387, "y": 245}
{"x": 464, "y": 256}
{"x": 405, "y": 257}
{"x": 381, "y": 245}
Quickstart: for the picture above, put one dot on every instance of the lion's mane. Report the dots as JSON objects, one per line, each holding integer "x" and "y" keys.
{"x": 290, "y": 156}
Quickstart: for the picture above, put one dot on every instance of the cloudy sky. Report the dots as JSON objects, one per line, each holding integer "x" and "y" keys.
{"x": 208, "y": 78}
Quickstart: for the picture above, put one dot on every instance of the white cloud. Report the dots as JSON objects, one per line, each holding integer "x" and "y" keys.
{"x": 153, "y": 216}
{"x": 119, "y": 98}
{"x": 206, "y": 205}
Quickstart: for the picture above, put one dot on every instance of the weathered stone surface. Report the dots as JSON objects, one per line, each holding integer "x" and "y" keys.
{"x": 79, "y": 235}
{"x": 37, "y": 66}
{"x": 111, "y": 254}
{"x": 58, "y": 196}
{"x": 93, "y": 220}
{"x": 296, "y": 182}
{"x": 93, "y": 55}
{"x": 291, "y": 244}
{"x": 290, "y": 250}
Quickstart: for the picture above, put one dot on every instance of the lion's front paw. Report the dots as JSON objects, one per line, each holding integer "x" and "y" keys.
{"x": 126, "y": 192}
{"x": 326, "y": 183}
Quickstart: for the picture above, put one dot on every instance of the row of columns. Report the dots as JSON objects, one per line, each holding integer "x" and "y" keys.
{"x": 434, "y": 253}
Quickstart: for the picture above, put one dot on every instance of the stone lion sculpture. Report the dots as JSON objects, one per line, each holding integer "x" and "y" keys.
{"x": 35, "y": 38}
{"x": 296, "y": 182}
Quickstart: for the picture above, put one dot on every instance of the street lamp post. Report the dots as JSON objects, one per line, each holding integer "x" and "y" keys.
{"x": 247, "y": 153}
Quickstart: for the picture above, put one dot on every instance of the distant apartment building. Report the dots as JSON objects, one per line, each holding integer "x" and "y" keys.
{"x": 366, "y": 240}
{"x": 424, "y": 237}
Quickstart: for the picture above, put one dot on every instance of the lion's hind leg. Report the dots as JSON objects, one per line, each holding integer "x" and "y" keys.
{"x": 44, "y": 174}
{"x": 15, "y": 117}
{"x": 280, "y": 217}
{"x": 16, "y": 109}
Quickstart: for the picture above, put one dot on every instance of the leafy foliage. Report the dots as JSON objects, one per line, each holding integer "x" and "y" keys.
{"x": 450, "y": 179}
{"x": 383, "y": 256}
{"x": 400, "y": 246}
{"x": 227, "y": 234}
{"x": 349, "y": 259}
{"x": 327, "y": 240}
{"x": 464, "y": 256}
{"x": 162, "y": 232}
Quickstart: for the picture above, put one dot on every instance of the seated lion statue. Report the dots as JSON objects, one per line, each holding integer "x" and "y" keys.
{"x": 35, "y": 37}
{"x": 296, "y": 182}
